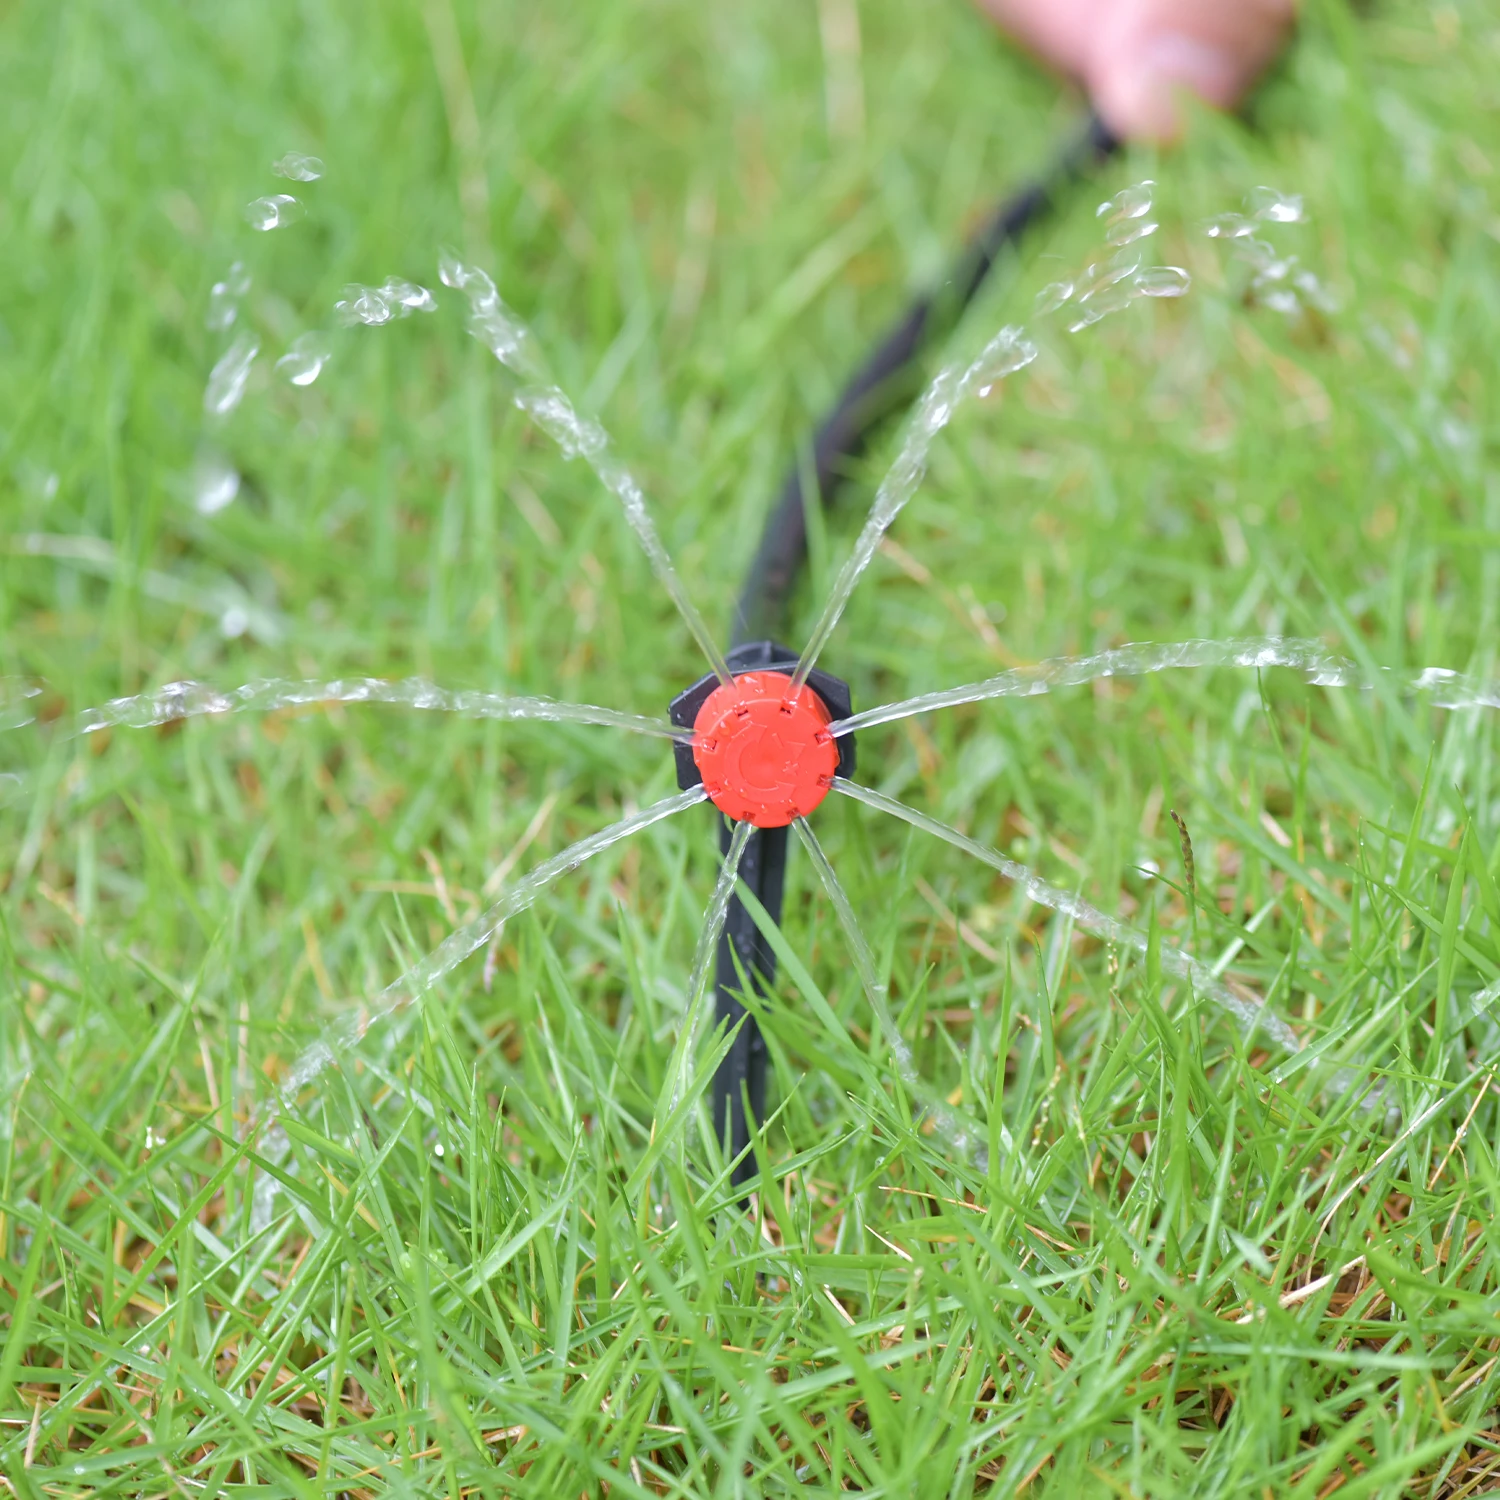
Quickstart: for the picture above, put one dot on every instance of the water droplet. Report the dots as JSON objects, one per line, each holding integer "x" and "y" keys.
{"x": 1110, "y": 297}
{"x": 1162, "y": 281}
{"x": 1387, "y": 344}
{"x": 224, "y": 299}
{"x": 1106, "y": 273}
{"x": 304, "y": 361}
{"x": 273, "y": 212}
{"x": 1282, "y": 300}
{"x": 473, "y": 282}
{"x": 1129, "y": 203}
{"x": 374, "y": 305}
{"x": 933, "y": 413}
{"x": 1010, "y": 350}
{"x": 506, "y": 338}
{"x": 490, "y": 320}
{"x": 298, "y": 167}
{"x": 15, "y": 706}
{"x": 1265, "y": 259}
{"x": 364, "y": 304}
{"x": 1128, "y": 231}
{"x": 551, "y": 410}
{"x": 233, "y": 623}
{"x": 1315, "y": 292}
{"x": 1455, "y": 435}
{"x": 1271, "y": 207}
{"x": 226, "y": 381}
{"x": 216, "y": 482}
{"x": 1052, "y": 297}
{"x": 1229, "y": 227}
{"x": 408, "y": 296}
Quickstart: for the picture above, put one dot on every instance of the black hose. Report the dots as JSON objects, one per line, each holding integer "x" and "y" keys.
{"x": 884, "y": 383}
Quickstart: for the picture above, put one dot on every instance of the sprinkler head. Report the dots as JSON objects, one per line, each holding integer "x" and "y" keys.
{"x": 762, "y": 752}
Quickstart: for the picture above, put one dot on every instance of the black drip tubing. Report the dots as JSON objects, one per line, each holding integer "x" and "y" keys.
{"x": 886, "y": 381}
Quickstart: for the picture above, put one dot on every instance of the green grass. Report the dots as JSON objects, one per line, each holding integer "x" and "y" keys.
{"x": 1206, "y": 1270}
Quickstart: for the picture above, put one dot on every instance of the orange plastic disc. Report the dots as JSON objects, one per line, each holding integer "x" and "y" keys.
{"x": 765, "y": 757}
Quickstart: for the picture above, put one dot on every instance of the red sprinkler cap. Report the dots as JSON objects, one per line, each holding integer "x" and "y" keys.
{"x": 765, "y": 757}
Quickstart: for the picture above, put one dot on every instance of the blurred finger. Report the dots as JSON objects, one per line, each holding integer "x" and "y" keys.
{"x": 1137, "y": 57}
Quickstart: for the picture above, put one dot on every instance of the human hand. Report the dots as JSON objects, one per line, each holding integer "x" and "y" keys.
{"x": 1136, "y": 56}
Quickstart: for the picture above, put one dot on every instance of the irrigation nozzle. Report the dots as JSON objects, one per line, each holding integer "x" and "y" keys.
{"x": 763, "y": 753}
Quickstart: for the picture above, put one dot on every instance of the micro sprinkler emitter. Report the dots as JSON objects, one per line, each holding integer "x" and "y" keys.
{"x": 766, "y": 735}
{"x": 762, "y": 749}
{"x": 764, "y": 753}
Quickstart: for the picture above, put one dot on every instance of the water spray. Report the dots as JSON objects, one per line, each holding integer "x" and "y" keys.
{"x": 766, "y": 734}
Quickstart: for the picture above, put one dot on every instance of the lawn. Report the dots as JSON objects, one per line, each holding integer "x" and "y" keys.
{"x": 1104, "y": 1239}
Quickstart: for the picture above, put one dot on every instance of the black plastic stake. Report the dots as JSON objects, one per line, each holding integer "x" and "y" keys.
{"x": 743, "y": 1071}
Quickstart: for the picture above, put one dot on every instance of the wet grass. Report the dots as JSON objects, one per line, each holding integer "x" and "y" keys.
{"x": 1206, "y": 1267}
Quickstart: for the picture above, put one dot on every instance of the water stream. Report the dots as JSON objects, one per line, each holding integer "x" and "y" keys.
{"x": 417, "y": 982}
{"x": 513, "y": 344}
{"x": 186, "y": 700}
{"x": 1248, "y": 1013}
{"x": 1442, "y": 688}
{"x": 704, "y": 956}
{"x": 957, "y": 1133}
